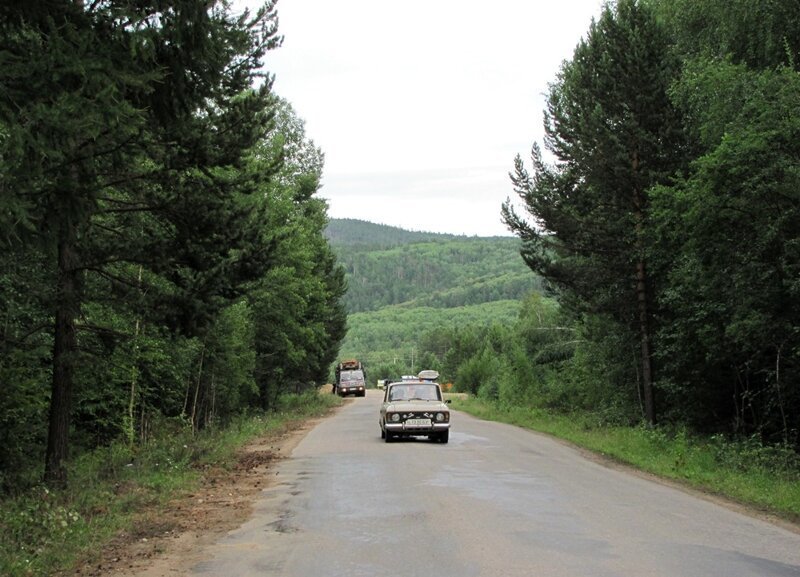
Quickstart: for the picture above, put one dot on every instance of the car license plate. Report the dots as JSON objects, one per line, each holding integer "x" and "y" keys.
{"x": 418, "y": 423}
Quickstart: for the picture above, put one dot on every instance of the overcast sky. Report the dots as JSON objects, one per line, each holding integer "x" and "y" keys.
{"x": 420, "y": 106}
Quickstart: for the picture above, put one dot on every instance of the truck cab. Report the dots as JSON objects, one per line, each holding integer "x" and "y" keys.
{"x": 350, "y": 379}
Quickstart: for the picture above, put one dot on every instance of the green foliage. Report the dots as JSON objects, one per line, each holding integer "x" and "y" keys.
{"x": 479, "y": 374}
{"x": 443, "y": 273}
{"x": 393, "y": 335}
{"x": 391, "y": 371}
{"x": 761, "y": 34}
{"x": 299, "y": 321}
{"x": 25, "y": 353}
{"x": 309, "y": 403}
{"x": 601, "y": 378}
{"x": 45, "y": 532}
{"x": 155, "y": 195}
{"x": 354, "y": 234}
{"x": 40, "y": 529}
{"x": 127, "y": 131}
{"x": 668, "y": 222}
{"x": 733, "y": 295}
{"x": 615, "y": 134}
{"x": 448, "y": 291}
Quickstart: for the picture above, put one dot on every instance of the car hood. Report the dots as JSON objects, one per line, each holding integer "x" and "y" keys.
{"x": 417, "y": 406}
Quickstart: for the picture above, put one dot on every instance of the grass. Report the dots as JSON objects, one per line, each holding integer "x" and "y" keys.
{"x": 765, "y": 478}
{"x": 46, "y": 532}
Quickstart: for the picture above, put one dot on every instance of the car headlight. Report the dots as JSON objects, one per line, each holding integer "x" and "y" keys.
{"x": 394, "y": 417}
{"x": 439, "y": 417}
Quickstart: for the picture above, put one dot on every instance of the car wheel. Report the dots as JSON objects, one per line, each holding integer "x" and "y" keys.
{"x": 444, "y": 437}
{"x": 383, "y": 434}
{"x": 389, "y": 437}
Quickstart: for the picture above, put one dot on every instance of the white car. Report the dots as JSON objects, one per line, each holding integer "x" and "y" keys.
{"x": 415, "y": 409}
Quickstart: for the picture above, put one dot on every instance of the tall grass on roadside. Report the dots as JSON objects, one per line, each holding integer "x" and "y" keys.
{"x": 746, "y": 471}
{"x": 45, "y": 531}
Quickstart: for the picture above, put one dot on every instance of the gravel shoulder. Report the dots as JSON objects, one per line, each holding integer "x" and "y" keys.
{"x": 169, "y": 542}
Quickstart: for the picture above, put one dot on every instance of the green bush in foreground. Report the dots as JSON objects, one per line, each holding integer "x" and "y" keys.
{"x": 45, "y": 531}
{"x": 765, "y": 477}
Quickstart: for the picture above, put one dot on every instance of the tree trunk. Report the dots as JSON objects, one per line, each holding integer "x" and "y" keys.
{"x": 644, "y": 336}
{"x": 130, "y": 425}
{"x": 197, "y": 390}
{"x": 64, "y": 350}
{"x": 639, "y": 201}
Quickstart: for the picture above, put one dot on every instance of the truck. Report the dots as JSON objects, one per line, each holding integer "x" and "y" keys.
{"x": 351, "y": 378}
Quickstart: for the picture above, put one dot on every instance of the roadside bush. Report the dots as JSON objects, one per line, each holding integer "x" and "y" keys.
{"x": 601, "y": 377}
{"x": 44, "y": 532}
{"x": 751, "y": 454}
{"x": 34, "y": 529}
{"x": 308, "y": 403}
{"x": 480, "y": 374}
{"x": 23, "y": 420}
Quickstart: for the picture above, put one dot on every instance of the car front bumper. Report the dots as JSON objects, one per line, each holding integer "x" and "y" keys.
{"x": 401, "y": 428}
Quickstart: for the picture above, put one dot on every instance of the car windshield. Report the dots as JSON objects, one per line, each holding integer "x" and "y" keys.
{"x": 351, "y": 376}
{"x": 414, "y": 391}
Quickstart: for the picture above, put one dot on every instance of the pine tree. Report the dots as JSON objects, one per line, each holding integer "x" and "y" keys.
{"x": 614, "y": 134}
{"x": 123, "y": 127}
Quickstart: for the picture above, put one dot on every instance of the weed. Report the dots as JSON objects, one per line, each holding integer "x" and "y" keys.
{"x": 45, "y": 532}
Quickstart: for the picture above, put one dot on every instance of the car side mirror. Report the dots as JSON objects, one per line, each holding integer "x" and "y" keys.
{"x": 448, "y": 401}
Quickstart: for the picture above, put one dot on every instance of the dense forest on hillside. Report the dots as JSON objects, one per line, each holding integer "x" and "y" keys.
{"x": 404, "y": 284}
{"x": 429, "y": 269}
{"x": 352, "y": 232}
{"x": 395, "y": 335}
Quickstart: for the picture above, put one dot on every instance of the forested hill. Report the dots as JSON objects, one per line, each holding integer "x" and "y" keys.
{"x": 390, "y": 266}
{"x": 354, "y": 232}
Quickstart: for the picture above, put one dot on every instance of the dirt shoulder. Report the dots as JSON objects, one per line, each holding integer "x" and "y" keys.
{"x": 169, "y": 542}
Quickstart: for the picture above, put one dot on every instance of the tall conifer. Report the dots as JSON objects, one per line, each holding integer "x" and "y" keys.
{"x": 614, "y": 134}
{"x": 122, "y": 128}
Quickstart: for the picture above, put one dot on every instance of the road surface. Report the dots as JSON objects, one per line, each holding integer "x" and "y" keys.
{"x": 497, "y": 501}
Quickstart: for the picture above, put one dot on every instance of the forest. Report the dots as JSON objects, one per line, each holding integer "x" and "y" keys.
{"x": 354, "y": 233}
{"x": 403, "y": 285}
{"x": 164, "y": 265}
{"x": 167, "y": 263}
{"x": 389, "y": 266}
{"x": 168, "y": 269}
{"x": 661, "y": 217}
{"x": 664, "y": 212}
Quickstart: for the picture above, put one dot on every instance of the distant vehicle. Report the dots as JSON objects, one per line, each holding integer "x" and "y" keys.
{"x": 382, "y": 383}
{"x": 414, "y": 408}
{"x": 350, "y": 379}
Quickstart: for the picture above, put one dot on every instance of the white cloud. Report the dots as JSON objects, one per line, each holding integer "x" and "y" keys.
{"x": 420, "y": 106}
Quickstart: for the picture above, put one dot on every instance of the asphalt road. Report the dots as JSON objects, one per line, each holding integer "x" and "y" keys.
{"x": 496, "y": 501}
